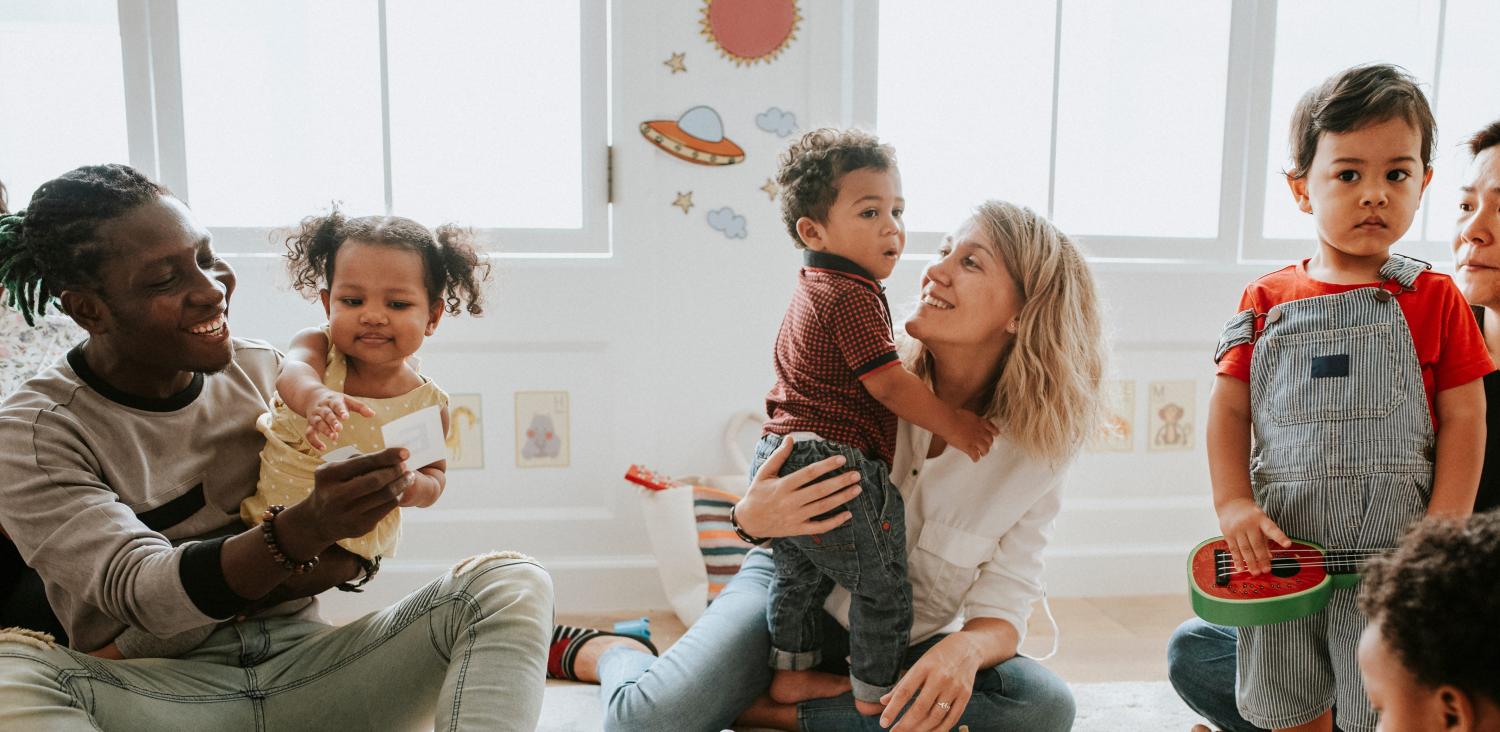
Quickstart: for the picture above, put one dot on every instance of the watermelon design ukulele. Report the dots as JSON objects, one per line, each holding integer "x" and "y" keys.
{"x": 1302, "y": 577}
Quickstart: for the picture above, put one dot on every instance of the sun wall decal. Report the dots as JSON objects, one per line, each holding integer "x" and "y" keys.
{"x": 750, "y": 31}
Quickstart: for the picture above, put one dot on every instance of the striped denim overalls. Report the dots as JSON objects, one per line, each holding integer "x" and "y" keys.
{"x": 1342, "y": 456}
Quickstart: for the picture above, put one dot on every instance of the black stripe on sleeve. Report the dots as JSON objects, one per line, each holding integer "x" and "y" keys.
{"x": 874, "y": 364}
{"x": 203, "y": 578}
{"x": 175, "y": 511}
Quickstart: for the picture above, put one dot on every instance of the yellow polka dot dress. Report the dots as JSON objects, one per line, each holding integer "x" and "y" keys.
{"x": 287, "y": 462}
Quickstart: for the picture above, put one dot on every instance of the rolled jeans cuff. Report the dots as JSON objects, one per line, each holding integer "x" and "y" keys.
{"x": 869, "y": 692}
{"x": 795, "y": 660}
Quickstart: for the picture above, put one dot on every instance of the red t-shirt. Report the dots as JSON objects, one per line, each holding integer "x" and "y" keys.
{"x": 1449, "y": 345}
{"x": 837, "y": 332}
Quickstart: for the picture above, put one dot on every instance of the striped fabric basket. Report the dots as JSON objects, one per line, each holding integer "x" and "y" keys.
{"x": 723, "y": 551}
{"x": 687, "y": 522}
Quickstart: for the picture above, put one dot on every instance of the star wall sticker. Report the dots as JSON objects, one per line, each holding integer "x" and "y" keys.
{"x": 676, "y": 63}
{"x": 684, "y": 201}
{"x": 771, "y": 189}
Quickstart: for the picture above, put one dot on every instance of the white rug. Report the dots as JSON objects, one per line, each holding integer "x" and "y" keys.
{"x": 1113, "y": 707}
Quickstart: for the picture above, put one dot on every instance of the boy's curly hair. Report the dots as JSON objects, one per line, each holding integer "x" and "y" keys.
{"x": 1355, "y": 98}
{"x": 1437, "y": 601}
{"x": 453, "y": 270}
{"x": 811, "y": 167}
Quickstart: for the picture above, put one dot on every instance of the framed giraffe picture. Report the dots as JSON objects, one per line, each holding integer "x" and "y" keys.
{"x": 465, "y": 432}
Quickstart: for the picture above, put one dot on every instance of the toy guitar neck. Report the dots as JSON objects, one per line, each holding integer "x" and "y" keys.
{"x": 649, "y": 479}
{"x": 1301, "y": 579}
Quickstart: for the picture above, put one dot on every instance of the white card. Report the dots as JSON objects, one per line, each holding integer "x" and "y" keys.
{"x": 421, "y": 433}
{"x": 343, "y": 453}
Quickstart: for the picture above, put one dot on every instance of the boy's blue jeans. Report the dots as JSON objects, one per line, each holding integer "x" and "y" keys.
{"x": 866, "y": 556}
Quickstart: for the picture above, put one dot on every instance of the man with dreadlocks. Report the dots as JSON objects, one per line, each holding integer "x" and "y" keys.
{"x": 123, "y": 470}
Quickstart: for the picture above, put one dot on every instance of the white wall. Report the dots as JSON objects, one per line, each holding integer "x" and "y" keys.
{"x": 659, "y": 344}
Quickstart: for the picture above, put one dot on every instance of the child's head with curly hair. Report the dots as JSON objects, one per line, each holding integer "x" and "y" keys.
{"x": 1430, "y": 655}
{"x": 841, "y": 194}
{"x": 385, "y": 281}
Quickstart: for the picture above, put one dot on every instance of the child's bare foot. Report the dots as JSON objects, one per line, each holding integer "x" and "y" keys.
{"x": 764, "y": 712}
{"x": 869, "y": 709}
{"x": 790, "y": 687}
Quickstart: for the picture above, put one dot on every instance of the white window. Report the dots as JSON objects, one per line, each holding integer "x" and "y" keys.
{"x": 64, "y": 98}
{"x": 1400, "y": 32}
{"x": 1156, "y": 129}
{"x": 1075, "y": 109}
{"x": 490, "y": 114}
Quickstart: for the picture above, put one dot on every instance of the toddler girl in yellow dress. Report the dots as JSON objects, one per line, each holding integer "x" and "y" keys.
{"x": 385, "y": 282}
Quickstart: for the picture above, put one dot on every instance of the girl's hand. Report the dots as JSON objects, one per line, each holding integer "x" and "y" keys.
{"x": 424, "y": 491}
{"x": 1246, "y": 529}
{"x": 943, "y": 676}
{"x": 326, "y": 413}
{"x": 785, "y": 506}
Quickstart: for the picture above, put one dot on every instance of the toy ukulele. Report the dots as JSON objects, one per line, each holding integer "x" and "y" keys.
{"x": 1302, "y": 577}
{"x": 649, "y": 479}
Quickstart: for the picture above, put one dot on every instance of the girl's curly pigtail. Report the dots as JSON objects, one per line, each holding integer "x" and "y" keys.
{"x": 311, "y": 250}
{"x": 464, "y": 270}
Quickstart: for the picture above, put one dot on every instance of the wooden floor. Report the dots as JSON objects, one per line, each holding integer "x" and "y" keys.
{"x": 1103, "y": 639}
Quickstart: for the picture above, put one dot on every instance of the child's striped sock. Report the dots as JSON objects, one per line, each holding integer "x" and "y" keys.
{"x": 567, "y": 639}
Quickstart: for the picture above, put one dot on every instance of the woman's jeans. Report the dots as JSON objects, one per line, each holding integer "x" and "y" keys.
{"x": 468, "y": 651}
{"x": 719, "y": 667}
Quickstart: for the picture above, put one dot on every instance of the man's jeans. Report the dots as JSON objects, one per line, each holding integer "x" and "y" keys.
{"x": 866, "y": 556}
{"x": 468, "y": 651}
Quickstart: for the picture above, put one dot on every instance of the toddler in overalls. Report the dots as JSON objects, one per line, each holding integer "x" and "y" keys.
{"x": 1359, "y": 373}
{"x": 838, "y": 383}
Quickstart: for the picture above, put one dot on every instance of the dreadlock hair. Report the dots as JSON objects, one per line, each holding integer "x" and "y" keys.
{"x": 50, "y": 246}
{"x": 453, "y": 270}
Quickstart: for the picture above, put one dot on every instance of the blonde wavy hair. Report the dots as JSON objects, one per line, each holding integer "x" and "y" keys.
{"x": 1046, "y": 396}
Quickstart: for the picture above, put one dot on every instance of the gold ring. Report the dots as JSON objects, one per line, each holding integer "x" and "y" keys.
{"x": 945, "y": 706}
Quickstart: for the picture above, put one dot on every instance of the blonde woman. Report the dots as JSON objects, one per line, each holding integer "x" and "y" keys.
{"x": 1008, "y": 327}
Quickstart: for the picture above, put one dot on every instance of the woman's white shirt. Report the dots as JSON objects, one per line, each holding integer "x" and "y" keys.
{"x": 974, "y": 533}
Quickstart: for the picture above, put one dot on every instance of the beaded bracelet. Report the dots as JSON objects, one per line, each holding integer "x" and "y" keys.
{"x": 268, "y": 532}
{"x": 748, "y": 539}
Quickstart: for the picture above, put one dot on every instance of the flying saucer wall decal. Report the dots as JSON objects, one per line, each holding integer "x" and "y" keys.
{"x": 750, "y": 31}
{"x": 697, "y": 137}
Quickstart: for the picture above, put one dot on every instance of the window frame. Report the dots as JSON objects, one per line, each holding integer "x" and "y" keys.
{"x": 155, "y": 133}
{"x": 1240, "y": 243}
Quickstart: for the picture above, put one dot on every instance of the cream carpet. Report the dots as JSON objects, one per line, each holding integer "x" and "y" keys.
{"x": 1108, "y": 707}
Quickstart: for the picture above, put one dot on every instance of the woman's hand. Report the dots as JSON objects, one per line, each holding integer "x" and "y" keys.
{"x": 944, "y": 675}
{"x": 785, "y": 506}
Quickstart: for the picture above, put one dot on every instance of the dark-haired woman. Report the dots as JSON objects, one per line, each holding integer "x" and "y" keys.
{"x": 123, "y": 472}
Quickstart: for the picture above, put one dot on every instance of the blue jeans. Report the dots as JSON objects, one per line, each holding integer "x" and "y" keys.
{"x": 1201, "y": 666}
{"x": 866, "y": 556}
{"x": 468, "y": 651}
{"x": 714, "y": 672}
